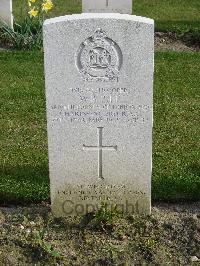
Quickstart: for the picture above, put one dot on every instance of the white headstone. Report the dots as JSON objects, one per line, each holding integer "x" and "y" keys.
{"x": 107, "y": 6}
{"x": 99, "y": 95}
{"x": 6, "y": 12}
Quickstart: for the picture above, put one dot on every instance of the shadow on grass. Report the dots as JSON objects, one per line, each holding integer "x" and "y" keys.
{"x": 24, "y": 184}
{"x": 195, "y": 169}
{"x": 178, "y": 187}
{"x": 30, "y": 184}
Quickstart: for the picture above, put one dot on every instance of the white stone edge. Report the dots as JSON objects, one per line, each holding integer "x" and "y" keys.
{"x": 10, "y": 22}
{"x": 99, "y": 15}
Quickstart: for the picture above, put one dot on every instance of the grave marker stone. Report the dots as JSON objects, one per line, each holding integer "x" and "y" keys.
{"x": 99, "y": 97}
{"x": 107, "y": 6}
{"x": 6, "y": 12}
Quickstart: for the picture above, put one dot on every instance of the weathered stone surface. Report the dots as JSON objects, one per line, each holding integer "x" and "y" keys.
{"x": 107, "y": 6}
{"x": 6, "y": 12}
{"x": 99, "y": 93}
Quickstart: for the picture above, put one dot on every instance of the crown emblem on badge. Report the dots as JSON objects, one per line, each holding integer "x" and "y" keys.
{"x": 99, "y": 58}
{"x": 99, "y": 34}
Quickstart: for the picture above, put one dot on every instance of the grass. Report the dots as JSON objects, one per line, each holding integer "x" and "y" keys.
{"x": 176, "y": 165}
{"x": 181, "y": 16}
{"x": 24, "y": 170}
{"x": 171, "y": 15}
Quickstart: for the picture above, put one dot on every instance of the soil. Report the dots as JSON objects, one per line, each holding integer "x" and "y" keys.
{"x": 32, "y": 236}
{"x": 4, "y": 47}
{"x": 169, "y": 41}
{"x": 163, "y": 42}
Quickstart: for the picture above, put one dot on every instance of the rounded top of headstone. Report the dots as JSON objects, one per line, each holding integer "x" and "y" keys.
{"x": 99, "y": 16}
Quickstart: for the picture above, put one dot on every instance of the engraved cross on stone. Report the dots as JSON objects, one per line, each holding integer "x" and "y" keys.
{"x": 100, "y": 149}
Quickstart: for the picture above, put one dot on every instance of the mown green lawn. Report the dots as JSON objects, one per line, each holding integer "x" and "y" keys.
{"x": 170, "y": 15}
{"x": 23, "y": 148}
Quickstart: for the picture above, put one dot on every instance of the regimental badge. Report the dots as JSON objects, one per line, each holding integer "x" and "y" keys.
{"x": 99, "y": 58}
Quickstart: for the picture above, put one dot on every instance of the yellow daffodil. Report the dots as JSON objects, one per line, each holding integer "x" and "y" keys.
{"x": 47, "y": 5}
{"x": 31, "y": 1}
{"x": 33, "y": 13}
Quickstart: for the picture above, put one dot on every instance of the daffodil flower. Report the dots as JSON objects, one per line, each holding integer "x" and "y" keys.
{"x": 33, "y": 12}
{"x": 47, "y": 5}
{"x": 31, "y": 1}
